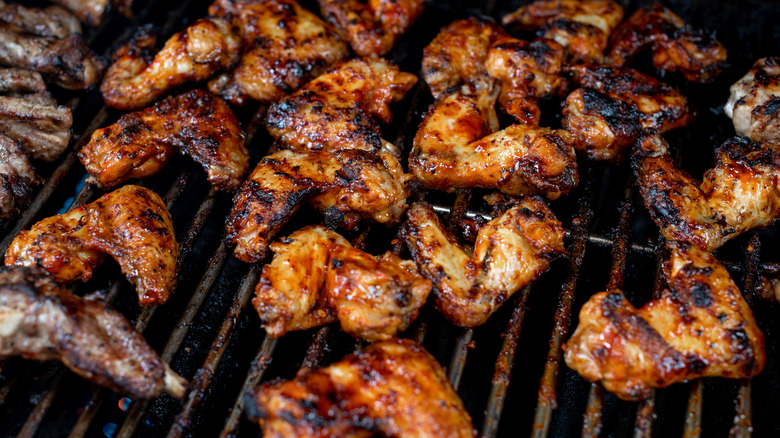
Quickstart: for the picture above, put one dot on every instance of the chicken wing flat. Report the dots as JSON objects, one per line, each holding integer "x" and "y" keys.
{"x": 676, "y": 46}
{"x": 700, "y": 326}
{"x": 93, "y": 12}
{"x": 392, "y": 388}
{"x": 511, "y": 250}
{"x": 52, "y": 21}
{"x": 336, "y": 110}
{"x": 137, "y": 77}
{"x": 42, "y": 126}
{"x": 740, "y": 193}
{"x": 372, "y": 27}
{"x": 130, "y": 224}
{"x": 581, "y": 27}
{"x": 17, "y": 177}
{"x": 41, "y": 320}
{"x": 347, "y": 186}
{"x": 316, "y": 277}
{"x": 197, "y": 123}
{"x": 21, "y": 81}
{"x": 285, "y": 46}
{"x": 754, "y": 101}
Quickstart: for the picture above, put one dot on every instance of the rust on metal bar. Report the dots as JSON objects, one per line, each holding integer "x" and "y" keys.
{"x": 592, "y": 425}
{"x": 693, "y": 416}
{"x": 645, "y": 414}
{"x": 458, "y": 361}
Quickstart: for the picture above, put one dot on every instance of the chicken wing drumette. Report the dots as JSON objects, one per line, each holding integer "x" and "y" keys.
{"x": 130, "y": 224}
{"x": 755, "y": 100}
{"x": 17, "y": 177}
{"x": 197, "y": 124}
{"x": 700, "y": 326}
{"x": 40, "y": 320}
{"x": 392, "y": 388}
{"x": 510, "y": 251}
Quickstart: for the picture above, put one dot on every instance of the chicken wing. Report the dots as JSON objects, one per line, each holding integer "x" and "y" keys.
{"x": 581, "y": 27}
{"x": 754, "y": 101}
{"x": 285, "y": 46}
{"x": 52, "y": 21}
{"x": 197, "y": 123}
{"x": 700, "y": 326}
{"x": 511, "y": 250}
{"x": 17, "y": 177}
{"x": 136, "y": 78}
{"x": 41, "y": 320}
{"x": 372, "y": 27}
{"x": 93, "y": 12}
{"x": 740, "y": 193}
{"x": 346, "y": 185}
{"x": 676, "y": 46}
{"x": 131, "y": 224}
{"x": 21, "y": 81}
{"x": 42, "y": 126}
{"x": 316, "y": 277}
{"x": 392, "y": 388}
{"x": 336, "y": 110}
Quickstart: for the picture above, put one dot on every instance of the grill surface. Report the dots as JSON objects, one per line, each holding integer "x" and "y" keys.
{"x": 508, "y": 372}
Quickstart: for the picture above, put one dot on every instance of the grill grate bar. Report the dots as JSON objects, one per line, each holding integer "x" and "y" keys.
{"x": 316, "y": 350}
{"x": 693, "y": 418}
{"x": 459, "y": 355}
{"x": 592, "y": 425}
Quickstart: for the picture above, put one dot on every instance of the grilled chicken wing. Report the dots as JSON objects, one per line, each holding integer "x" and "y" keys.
{"x": 511, "y": 250}
{"x": 700, "y": 326}
{"x": 392, "y": 388}
{"x": 52, "y": 21}
{"x": 92, "y": 12}
{"x": 137, "y": 77}
{"x": 335, "y": 110}
{"x": 755, "y": 100}
{"x": 284, "y": 46}
{"x": 317, "y": 277}
{"x": 41, "y": 320}
{"x": 17, "y": 177}
{"x": 347, "y": 186}
{"x": 197, "y": 123}
{"x": 21, "y": 81}
{"x": 740, "y": 193}
{"x": 131, "y": 224}
{"x": 581, "y": 27}
{"x": 372, "y": 27}
{"x": 42, "y": 126}
{"x": 676, "y": 45}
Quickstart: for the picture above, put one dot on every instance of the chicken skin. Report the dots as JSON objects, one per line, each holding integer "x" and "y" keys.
{"x": 700, "y": 326}
{"x": 739, "y": 194}
{"x": 347, "y": 186}
{"x": 138, "y": 77}
{"x": 316, "y": 277}
{"x": 676, "y": 46}
{"x": 197, "y": 123}
{"x": 52, "y": 21}
{"x": 510, "y": 251}
{"x": 284, "y": 46}
{"x": 130, "y": 224}
{"x": 372, "y": 27}
{"x": 41, "y": 320}
{"x": 337, "y": 109}
{"x": 392, "y": 388}
{"x": 17, "y": 177}
{"x": 754, "y": 101}
{"x": 581, "y": 27}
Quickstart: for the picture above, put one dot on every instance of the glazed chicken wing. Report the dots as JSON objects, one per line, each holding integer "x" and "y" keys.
{"x": 700, "y": 326}
{"x": 35, "y": 120}
{"x": 372, "y": 27}
{"x": 52, "y": 21}
{"x": 346, "y": 185}
{"x": 197, "y": 123}
{"x": 392, "y": 388}
{"x": 138, "y": 77}
{"x": 317, "y": 277}
{"x": 511, "y": 250}
{"x": 41, "y": 320}
{"x": 17, "y": 177}
{"x": 130, "y": 224}
{"x": 755, "y": 100}
{"x": 284, "y": 46}
{"x": 740, "y": 193}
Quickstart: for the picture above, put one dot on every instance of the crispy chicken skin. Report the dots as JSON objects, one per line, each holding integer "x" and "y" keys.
{"x": 317, "y": 277}
{"x": 42, "y": 126}
{"x": 337, "y": 109}
{"x": 52, "y": 21}
{"x": 700, "y": 326}
{"x": 137, "y": 77}
{"x": 740, "y": 193}
{"x": 372, "y": 27}
{"x": 392, "y": 388}
{"x": 17, "y": 177}
{"x": 197, "y": 123}
{"x": 510, "y": 251}
{"x": 755, "y": 100}
{"x": 581, "y": 27}
{"x": 41, "y": 320}
{"x": 346, "y": 185}
{"x": 676, "y": 46}
{"x": 285, "y": 45}
{"x": 92, "y": 12}
{"x": 130, "y": 224}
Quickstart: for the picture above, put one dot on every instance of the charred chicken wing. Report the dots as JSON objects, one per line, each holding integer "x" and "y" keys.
{"x": 755, "y": 100}
{"x": 19, "y": 80}
{"x": 35, "y": 120}
{"x": 17, "y": 177}
{"x": 52, "y": 21}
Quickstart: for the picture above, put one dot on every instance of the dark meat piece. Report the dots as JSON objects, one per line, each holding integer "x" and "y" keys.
{"x": 755, "y": 101}
{"x": 52, "y": 21}
{"x": 17, "y": 177}
{"x": 92, "y": 12}
{"x": 42, "y": 127}
{"x": 20, "y": 80}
